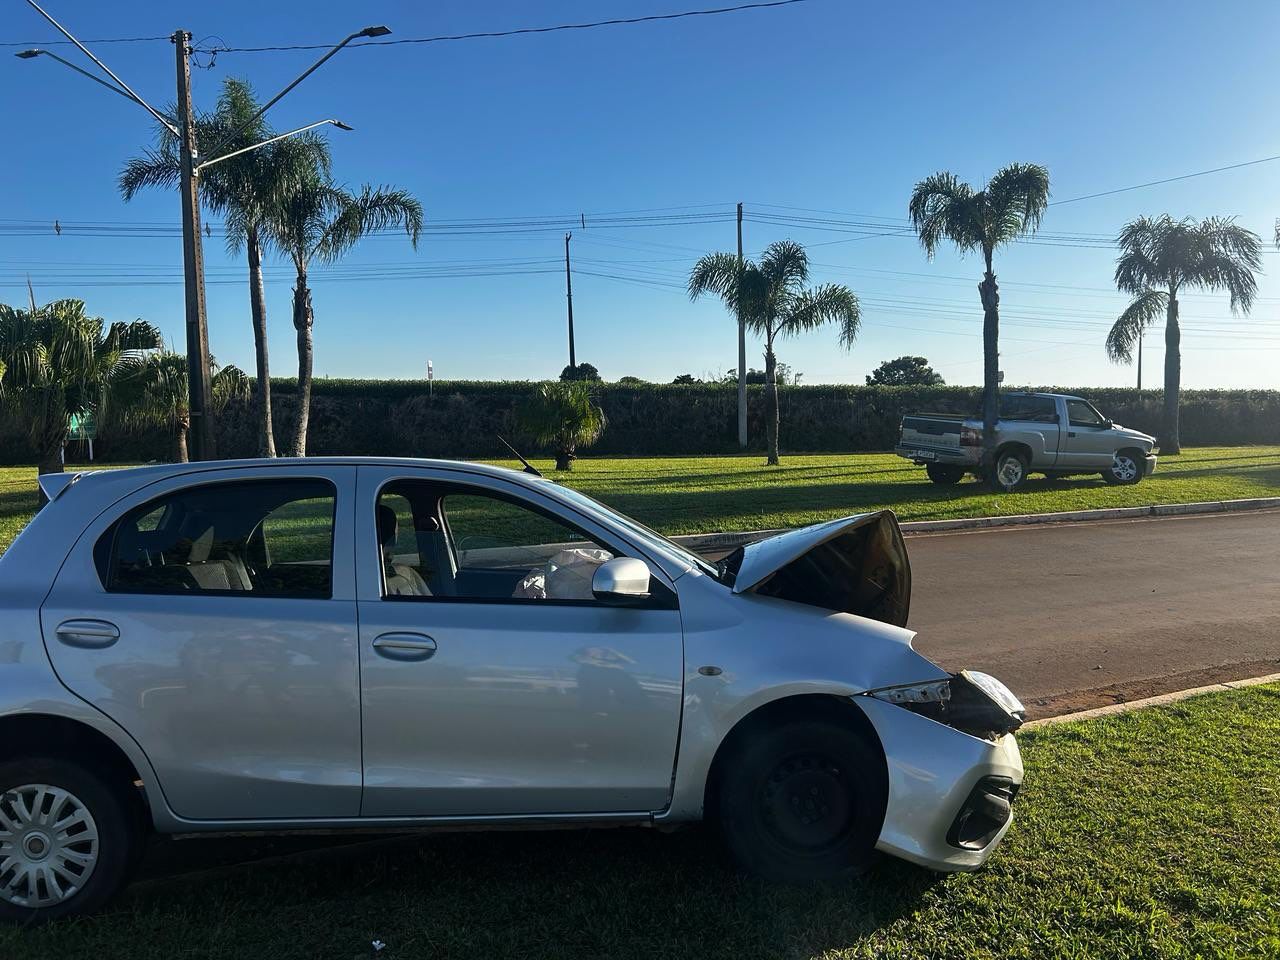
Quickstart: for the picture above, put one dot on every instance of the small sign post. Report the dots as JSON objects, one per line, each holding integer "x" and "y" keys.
{"x": 431, "y": 375}
{"x": 82, "y": 426}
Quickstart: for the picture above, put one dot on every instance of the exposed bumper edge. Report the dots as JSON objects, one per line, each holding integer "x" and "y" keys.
{"x": 952, "y": 458}
{"x": 1151, "y": 464}
{"x": 932, "y": 770}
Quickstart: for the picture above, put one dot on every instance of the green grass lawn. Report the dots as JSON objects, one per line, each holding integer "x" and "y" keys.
{"x": 1150, "y": 834}
{"x": 704, "y": 494}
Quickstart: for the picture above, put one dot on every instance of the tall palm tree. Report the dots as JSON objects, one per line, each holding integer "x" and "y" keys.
{"x": 1010, "y": 206}
{"x": 241, "y": 189}
{"x": 58, "y": 362}
{"x": 317, "y": 219}
{"x": 154, "y": 394}
{"x": 771, "y": 298}
{"x": 562, "y": 415}
{"x": 1159, "y": 256}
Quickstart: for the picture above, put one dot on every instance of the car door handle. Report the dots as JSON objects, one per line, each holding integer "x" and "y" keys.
{"x": 88, "y": 634}
{"x": 1071, "y": 433}
{"x": 404, "y": 646}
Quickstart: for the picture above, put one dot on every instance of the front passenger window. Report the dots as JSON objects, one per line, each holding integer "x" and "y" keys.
{"x": 1082, "y": 415}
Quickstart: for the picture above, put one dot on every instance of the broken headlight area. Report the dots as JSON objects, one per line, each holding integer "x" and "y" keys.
{"x": 972, "y": 702}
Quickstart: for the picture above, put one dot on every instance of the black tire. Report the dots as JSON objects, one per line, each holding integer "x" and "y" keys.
{"x": 802, "y": 802}
{"x": 944, "y": 474}
{"x": 1011, "y": 470}
{"x": 114, "y": 821}
{"x": 1126, "y": 469}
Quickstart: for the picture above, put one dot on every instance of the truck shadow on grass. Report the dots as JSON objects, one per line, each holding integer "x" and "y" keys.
{"x": 612, "y": 892}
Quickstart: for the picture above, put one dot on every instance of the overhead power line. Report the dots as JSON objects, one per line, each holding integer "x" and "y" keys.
{"x": 520, "y": 31}
{"x": 50, "y": 43}
{"x": 1155, "y": 183}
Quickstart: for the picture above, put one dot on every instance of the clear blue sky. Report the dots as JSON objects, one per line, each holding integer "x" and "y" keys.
{"x": 833, "y": 105}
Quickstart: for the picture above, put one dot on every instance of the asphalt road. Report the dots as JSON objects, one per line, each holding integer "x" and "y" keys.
{"x": 1076, "y": 615}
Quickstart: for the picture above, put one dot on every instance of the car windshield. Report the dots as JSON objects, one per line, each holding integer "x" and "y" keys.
{"x": 645, "y": 533}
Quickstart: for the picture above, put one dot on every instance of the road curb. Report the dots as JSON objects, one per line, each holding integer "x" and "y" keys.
{"x": 728, "y": 540}
{"x": 1116, "y": 708}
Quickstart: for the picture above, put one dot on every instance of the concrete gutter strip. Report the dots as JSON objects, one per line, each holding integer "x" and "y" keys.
{"x": 706, "y": 542}
{"x": 1163, "y": 698}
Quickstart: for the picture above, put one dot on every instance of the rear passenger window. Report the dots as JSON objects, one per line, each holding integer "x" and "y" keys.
{"x": 270, "y": 538}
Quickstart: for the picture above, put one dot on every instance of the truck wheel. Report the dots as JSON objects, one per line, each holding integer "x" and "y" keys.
{"x": 1126, "y": 468}
{"x": 802, "y": 802}
{"x": 68, "y": 839}
{"x": 944, "y": 474}
{"x": 1010, "y": 471}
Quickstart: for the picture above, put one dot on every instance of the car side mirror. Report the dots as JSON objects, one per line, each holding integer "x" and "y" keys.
{"x": 621, "y": 581}
{"x": 1108, "y": 424}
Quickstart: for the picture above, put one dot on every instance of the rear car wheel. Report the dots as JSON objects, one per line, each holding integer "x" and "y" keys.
{"x": 803, "y": 801}
{"x": 1010, "y": 472}
{"x": 1126, "y": 468}
{"x": 67, "y": 840}
{"x": 944, "y": 474}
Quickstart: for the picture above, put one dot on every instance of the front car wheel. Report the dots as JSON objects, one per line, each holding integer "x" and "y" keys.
{"x": 803, "y": 801}
{"x": 1127, "y": 467}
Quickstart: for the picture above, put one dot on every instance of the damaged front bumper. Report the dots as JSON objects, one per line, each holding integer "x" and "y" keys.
{"x": 954, "y": 768}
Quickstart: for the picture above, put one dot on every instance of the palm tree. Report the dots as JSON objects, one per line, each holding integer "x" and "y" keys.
{"x": 771, "y": 299}
{"x": 317, "y": 219}
{"x": 1010, "y": 206}
{"x": 242, "y": 189}
{"x": 58, "y": 362}
{"x": 563, "y": 416}
{"x": 154, "y": 394}
{"x": 1160, "y": 256}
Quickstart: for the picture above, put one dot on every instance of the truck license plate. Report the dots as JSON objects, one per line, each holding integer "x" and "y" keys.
{"x": 926, "y": 455}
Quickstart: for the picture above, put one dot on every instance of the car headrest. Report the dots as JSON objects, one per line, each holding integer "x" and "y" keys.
{"x": 201, "y": 547}
{"x": 387, "y": 525}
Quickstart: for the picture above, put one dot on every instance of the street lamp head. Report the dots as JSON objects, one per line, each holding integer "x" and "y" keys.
{"x": 340, "y": 125}
{"x": 378, "y": 31}
{"x": 28, "y": 54}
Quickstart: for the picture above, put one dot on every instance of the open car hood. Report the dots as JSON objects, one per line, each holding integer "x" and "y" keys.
{"x": 853, "y": 565}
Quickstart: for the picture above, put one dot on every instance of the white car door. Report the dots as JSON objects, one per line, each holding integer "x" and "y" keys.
{"x": 1089, "y": 443}
{"x": 207, "y": 615}
{"x": 493, "y": 683}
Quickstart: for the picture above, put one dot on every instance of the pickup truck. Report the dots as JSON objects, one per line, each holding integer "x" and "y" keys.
{"x": 1045, "y": 433}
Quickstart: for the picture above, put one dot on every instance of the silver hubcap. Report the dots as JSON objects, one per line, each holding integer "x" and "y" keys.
{"x": 1124, "y": 468}
{"x": 48, "y": 845}
{"x": 1010, "y": 471}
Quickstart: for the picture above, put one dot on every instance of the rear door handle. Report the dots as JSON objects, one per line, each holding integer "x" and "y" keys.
{"x": 404, "y": 646}
{"x": 88, "y": 634}
{"x": 1071, "y": 433}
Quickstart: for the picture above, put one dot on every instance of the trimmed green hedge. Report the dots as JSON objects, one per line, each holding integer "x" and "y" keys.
{"x": 465, "y": 418}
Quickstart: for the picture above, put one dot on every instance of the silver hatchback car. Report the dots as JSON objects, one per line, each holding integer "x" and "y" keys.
{"x": 403, "y": 644}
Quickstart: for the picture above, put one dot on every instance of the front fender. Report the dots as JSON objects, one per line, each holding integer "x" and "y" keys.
{"x": 766, "y": 650}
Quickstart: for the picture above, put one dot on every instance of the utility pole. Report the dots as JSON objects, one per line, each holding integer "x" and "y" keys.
{"x": 199, "y": 400}
{"x": 568, "y": 287}
{"x": 742, "y": 353}
{"x": 1139, "y": 362}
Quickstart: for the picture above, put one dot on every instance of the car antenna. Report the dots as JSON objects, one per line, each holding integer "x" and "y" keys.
{"x": 528, "y": 467}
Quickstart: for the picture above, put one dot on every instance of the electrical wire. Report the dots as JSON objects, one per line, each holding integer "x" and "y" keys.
{"x": 521, "y": 31}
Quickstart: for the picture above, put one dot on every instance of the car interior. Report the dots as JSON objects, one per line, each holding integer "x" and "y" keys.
{"x": 271, "y": 538}
{"x": 438, "y": 541}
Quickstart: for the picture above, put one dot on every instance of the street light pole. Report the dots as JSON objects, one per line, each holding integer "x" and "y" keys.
{"x": 199, "y": 395}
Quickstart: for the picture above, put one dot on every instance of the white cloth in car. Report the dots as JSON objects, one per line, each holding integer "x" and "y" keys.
{"x": 566, "y": 576}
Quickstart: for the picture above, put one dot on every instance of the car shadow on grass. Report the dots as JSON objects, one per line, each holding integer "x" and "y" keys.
{"x": 619, "y": 892}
